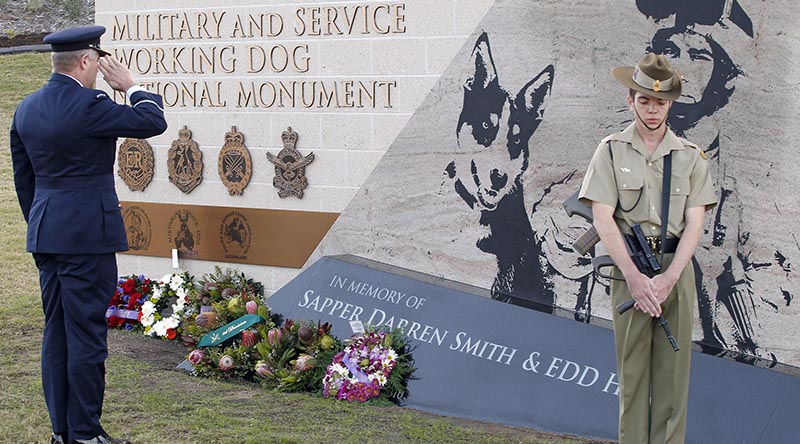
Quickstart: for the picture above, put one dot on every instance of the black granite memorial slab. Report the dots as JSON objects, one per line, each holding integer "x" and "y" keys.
{"x": 483, "y": 359}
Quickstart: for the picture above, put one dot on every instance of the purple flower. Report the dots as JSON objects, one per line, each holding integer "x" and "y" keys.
{"x": 252, "y": 307}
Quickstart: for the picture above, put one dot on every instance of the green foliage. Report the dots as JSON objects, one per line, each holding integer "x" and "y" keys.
{"x": 227, "y": 292}
{"x": 244, "y": 360}
{"x": 396, "y": 388}
{"x": 34, "y": 5}
{"x": 297, "y": 361}
{"x": 75, "y": 8}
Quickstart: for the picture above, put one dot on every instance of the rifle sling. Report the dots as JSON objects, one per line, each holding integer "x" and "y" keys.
{"x": 665, "y": 192}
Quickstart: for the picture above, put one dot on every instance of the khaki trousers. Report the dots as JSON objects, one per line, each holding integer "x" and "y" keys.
{"x": 654, "y": 379}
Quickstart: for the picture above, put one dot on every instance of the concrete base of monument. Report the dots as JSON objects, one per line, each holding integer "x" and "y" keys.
{"x": 487, "y": 360}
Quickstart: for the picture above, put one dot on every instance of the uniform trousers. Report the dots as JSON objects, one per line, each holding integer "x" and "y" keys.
{"x": 654, "y": 379}
{"x": 76, "y": 291}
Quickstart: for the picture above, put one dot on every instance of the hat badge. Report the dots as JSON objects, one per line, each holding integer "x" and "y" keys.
{"x": 657, "y": 85}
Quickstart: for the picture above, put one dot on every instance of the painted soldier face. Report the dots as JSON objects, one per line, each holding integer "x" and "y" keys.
{"x": 708, "y": 73}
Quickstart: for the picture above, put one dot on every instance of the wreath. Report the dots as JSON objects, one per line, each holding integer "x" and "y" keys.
{"x": 162, "y": 313}
{"x": 372, "y": 363}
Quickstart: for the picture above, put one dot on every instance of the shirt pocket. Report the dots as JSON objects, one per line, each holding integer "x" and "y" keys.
{"x": 678, "y": 193}
{"x": 630, "y": 184}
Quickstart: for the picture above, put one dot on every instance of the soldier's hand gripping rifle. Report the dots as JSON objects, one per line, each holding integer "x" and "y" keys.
{"x": 641, "y": 254}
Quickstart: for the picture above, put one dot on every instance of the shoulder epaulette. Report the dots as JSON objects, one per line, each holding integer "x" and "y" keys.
{"x": 610, "y": 137}
{"x": 688, "y": 144}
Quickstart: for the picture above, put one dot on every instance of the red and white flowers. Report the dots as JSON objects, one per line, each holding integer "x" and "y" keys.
{"x": 162, "y": 313}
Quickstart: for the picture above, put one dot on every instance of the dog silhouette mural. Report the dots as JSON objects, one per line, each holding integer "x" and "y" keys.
{"x": 496, "y": 126}
{"x": 728, "y": 303}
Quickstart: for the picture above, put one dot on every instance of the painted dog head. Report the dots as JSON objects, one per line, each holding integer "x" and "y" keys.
{"x": 496, "y": 126}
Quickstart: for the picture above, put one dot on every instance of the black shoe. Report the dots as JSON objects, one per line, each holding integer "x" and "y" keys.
{"x": 58, "y": 439}
{"x": 101, "y": 440}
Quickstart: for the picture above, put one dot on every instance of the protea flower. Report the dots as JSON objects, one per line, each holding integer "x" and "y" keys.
{"x": 196, "y": 356}
{"x": 304, "y": 362}
{"x": 263, "y": 370}
{"x": 252, "y": 307}
{"x": 188, "y": 341}
{"x": 249, "y": 338}
{"x": 274, "y": 337}
{"x": 327, "y": 342}
{"x": 305, "y": 334}
{"x": 225, "y": 363}
{"x": 234, "y": 303}
{"x": 228, "y": 293}
{"x": 206, "y": 320}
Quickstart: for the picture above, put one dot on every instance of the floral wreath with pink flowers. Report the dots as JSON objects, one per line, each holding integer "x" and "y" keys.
{"x": 371, "y": 362}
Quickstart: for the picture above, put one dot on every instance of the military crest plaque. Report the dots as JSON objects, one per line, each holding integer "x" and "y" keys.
{"x": 235, "y": 166}
{"x": 136, "y": 163}
{"x": 185, "y": 162}
{"x": 235, "y": 235}
{"x": 290, "y": 167}
{"x": 183, "y": 231}
{"x": 137, "y": 227}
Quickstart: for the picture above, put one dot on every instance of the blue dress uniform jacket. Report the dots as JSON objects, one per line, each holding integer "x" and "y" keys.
{"x": 63, "y": 144}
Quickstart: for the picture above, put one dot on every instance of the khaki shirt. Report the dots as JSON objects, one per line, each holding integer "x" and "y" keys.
{"x": 635, "y": 181}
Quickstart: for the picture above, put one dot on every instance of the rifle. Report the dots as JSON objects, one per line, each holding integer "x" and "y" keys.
{"x": 645, "y": 260}
{"x": 642, "y": 255}
{"x": 590, "y": 238}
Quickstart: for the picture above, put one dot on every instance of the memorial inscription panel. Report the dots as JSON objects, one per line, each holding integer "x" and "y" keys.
{"x": 239, "y": 52}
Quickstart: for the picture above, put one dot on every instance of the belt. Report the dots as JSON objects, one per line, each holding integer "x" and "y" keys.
{"x": 75, "y": 182}
{"x": 655, "y": 243}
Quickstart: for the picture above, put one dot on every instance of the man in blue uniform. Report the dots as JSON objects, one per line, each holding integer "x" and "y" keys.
{"x": 63, "y": 143}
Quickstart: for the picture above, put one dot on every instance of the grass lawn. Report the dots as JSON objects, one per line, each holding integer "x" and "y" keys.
{"x": 148, "y": 402}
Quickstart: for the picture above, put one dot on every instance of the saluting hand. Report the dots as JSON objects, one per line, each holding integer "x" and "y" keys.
{"x": 115, "y": 73}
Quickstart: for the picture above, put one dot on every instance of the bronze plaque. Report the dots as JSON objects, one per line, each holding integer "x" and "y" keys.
{"x": 290, "y": 167}
{"x": 235, "y": 166}
{"x": 278, "y": 238}
{"x": 138, "y": 228}
{"x": 185, "y": 162}
{"x": 136, "y": 163}
{"x": 235, "y": 235}
{"x": 183, "y": 232}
